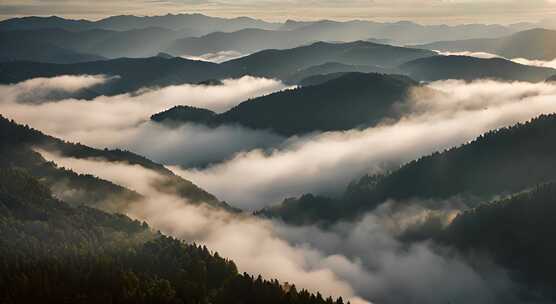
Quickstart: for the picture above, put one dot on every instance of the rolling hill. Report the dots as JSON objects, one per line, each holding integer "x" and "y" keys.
{"x": 284, "y": 64}
{"x": 346, "y": 102}
{"x": 471, "y": 68}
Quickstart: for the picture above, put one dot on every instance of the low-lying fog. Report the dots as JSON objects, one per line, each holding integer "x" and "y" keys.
{"x": 357, "y": 260}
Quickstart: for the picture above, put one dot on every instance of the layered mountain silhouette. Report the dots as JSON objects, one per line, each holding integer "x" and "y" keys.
{"x": 286, "y": 64}
{"x": 539, "y": 44}
{"x": 196, "y": 34}
{"x": 294, "y": 34}
{"x": 346, "y": 102}
{"x": 31, "y": 49}
{"x": 99, "y": 42}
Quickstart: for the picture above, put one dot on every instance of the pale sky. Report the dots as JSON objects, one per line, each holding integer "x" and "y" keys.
{"x": 422, "y": 11}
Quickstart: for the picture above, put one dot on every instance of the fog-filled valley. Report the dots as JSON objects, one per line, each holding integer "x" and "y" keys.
{"x": 194, "y": 159}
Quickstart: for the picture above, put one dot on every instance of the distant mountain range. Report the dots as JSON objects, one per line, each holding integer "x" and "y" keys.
{"x": 31, "y": 49}
{"x": 100, "y": 42}
{"x": 193, "y": 24}
{"x": 349, "y": 101}
{"x": 534, "y": 44}
{"x": 250, "y": 40}
{"x": 196, "y": 34}
{"x": 313, "y": 63}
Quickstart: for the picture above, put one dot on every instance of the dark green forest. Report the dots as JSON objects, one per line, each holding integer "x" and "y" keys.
{"x": 515, "y": 233}
{"x": 51, "y": 252}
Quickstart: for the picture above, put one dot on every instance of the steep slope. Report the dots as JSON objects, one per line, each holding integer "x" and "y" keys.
{"x": 534, "y": 44}
{"x": 513, "y": 232}
{"x": 284, "y": 64}
{"x": 53, "y": 253}
{"x": 352, "y": 100}
{"x": 497, "y": 163}
{"x": 470, "y": 68}
{"x": 133, "y": 73}
{"x": 17, "y": 150}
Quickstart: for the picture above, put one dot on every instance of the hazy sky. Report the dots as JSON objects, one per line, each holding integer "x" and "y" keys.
{"x": 423, "y": 11}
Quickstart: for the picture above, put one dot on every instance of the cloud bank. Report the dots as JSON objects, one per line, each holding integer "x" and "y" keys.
{"x": 454, "y": 113}
{"x": 253, "y": 169}
{"x": 360, "y": 260}
{"x": 252, "y": 243}
{"x": 123, "y": 121}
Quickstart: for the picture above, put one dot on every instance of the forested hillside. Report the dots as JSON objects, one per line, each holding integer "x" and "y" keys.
{"x": 17, "y": 150}
{"x": 497, "y": 163}
{"x": 53, "y": 253}
{"x": 348, "y": 101}
{"x": 513, "y": 232}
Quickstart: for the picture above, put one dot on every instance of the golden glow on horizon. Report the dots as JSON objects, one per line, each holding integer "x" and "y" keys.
{"x": 422, "y": 11}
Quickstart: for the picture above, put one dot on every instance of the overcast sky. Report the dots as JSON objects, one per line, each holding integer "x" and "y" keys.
{"x": 423, "y": 11}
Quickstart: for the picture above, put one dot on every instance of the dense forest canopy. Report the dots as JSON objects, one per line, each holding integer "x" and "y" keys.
{"x": 51, "y": 252}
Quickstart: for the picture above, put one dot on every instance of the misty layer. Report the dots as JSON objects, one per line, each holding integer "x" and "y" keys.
{"x": 252, "y": 243}
{"x": 123, "y": 121}
{"x": 362, "y": 258}
{"x": 325, "y": 163}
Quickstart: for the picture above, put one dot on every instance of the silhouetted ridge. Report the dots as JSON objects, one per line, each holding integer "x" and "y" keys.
{"x": 471, "y": 68}
{"x": 346, "y": 102}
